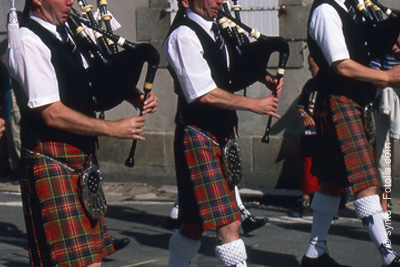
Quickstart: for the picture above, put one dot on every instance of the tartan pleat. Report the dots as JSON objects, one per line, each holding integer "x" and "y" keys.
{"x": 56, "y": 222}
{"x": 357, "y": 150}
{"x": 215, "y": 200}
{"x": 347, "y": 151}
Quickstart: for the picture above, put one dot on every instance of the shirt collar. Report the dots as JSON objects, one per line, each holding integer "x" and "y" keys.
{"x": 47, "y": 25}
{"x": 341, "y": 3}
{"x": 205, "y": 24}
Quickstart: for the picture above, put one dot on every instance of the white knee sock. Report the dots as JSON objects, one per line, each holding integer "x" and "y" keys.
{"x": 369, "y": 210}
{"x": 245, "y": 213}
{"x": 175, "y": 209}
{"x": 232, "y": 253}
{"x": 182, "y": 250}
{"x": 238, "y": 199}
{"x": 324, "y": 208}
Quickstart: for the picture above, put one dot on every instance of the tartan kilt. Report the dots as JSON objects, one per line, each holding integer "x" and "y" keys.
{"x": 59, "y": 231}
{"x": 204, "y": 196}
{"x": 343, "y": 154}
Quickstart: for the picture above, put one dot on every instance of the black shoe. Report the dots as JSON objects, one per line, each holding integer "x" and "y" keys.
{"x": 301, "y": 208}
{"x": 251, "y": 223}
{"x": 395, "y": 262}
{"x": 172, "y": 223}
{"x": 323, "y": 261}
{"x": 296, "y": 213}
{"x": 335, "y": 217}
{"x": 119, "y": 243}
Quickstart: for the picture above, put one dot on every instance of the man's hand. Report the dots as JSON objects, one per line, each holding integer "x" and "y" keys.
{"x": 266, "y": 106}
{"x": 394, "y": 75}
{"x": 308, "y": 120}
{"x": 396, "y": 48}
{"x": 150, "y": 104}
{"x": 272, "y": 83}
{"x": 2, "y": 127}
{"x": 128, "y": 128}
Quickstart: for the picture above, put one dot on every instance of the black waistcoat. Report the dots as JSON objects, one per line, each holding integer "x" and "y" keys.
{"x": 355, "y": 37}
{"x": 220, "y": 122}
{"x": 74, "y": 90}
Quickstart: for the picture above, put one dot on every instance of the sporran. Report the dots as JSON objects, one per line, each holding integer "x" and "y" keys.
{"x": 90, "y": 186}
{"x": 231, "y": 163}
{"x": 91, "y": 192}
{"x": 369, "y": 121}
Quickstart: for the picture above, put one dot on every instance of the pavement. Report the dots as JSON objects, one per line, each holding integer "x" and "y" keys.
{"x": 139, "y": 212}
{"x": 120, "y": 192}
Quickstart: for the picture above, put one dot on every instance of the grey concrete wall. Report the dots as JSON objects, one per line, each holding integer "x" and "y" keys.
{"x": 265, "y": 165}
{"x": 4, "y": 9}
{"x": 276, "y": 164}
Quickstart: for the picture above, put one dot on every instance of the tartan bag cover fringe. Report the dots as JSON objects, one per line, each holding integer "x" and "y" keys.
{"x": 215, "y": 200}
{"x": 59, "y": 231}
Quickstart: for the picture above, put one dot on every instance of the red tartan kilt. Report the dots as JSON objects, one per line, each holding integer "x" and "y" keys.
{"x": 343, "y": 154}
{"x": 215, "y": 201}
{"x": 59, "y": 231}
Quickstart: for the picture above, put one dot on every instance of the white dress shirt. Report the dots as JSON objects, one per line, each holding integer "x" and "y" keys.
{"x": 326, "y": 29}
{"x": 30, "y": 65}
{"x": 184, "y": 53}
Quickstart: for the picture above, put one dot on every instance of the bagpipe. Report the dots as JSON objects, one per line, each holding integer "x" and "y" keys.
{"x": 113, "y": 73}
{"x": 114, "y": 76}
{"x": 382, "y": 25}
{"x": 249, "y": 60}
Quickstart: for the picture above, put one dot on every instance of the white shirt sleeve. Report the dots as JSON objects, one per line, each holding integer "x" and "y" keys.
{"x": 326, "y": 29}
{"x": 184, "y": 54}
{"x": 31, "y": 66}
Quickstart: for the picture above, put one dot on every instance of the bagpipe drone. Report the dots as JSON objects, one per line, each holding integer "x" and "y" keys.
{"x": 382, "y": 25}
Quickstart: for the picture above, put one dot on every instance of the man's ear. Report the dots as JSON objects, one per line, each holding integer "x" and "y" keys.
{"x": 36, "y": 2}
{"x": 185, "y": 3}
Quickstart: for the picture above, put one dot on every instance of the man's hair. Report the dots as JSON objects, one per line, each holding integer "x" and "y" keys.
{"x": 27, "y": 8}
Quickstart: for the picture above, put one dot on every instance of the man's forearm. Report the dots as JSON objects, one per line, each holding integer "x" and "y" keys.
{"x": 225, "y": 100}
{"x": 59, "y": 116}
{"x": 353, "y": 70}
